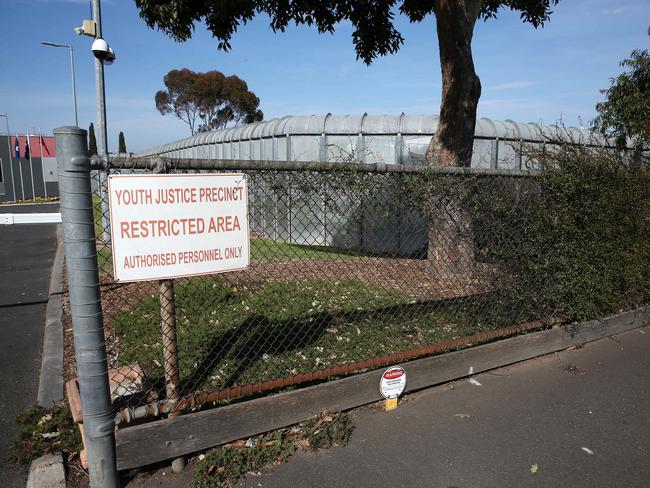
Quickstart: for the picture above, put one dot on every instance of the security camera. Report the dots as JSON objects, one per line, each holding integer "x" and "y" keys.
{"x": 79, "y": 30}
{"x": 100, "y": 49}
{"x": 111, "y": 56}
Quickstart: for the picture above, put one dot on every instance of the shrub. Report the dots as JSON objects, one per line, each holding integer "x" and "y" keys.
{"x": 586, "y": 252}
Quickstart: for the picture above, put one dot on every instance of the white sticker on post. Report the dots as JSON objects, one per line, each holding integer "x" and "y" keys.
{"x": 168, "y": 226}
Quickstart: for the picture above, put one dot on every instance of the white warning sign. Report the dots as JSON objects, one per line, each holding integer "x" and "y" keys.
{"x": 393, "y": 382}
{"x": 168, "y": 226}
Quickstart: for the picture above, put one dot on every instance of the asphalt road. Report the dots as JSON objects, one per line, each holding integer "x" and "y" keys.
{"x": 26, "y": 256}
{"x": 575, "y": 419}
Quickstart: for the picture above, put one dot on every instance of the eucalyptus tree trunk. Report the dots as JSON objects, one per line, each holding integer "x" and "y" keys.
{"x": 451, "y": 247}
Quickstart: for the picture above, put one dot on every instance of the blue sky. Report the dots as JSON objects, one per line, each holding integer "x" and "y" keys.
{"x": 527, "y": 74}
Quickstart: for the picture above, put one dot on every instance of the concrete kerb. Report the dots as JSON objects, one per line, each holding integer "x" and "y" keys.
{"x": 50, "y": 386}
{"x": 48, "y": 471}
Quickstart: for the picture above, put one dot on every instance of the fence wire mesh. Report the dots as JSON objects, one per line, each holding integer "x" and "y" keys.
{"x": 349, "y": 270}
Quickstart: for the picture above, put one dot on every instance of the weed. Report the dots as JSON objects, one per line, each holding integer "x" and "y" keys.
{"x": 327, "y": 430}
{"x": 222, "y": 467}
{"x": 44, "y": 430}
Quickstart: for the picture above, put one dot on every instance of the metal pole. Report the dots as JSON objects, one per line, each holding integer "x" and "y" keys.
{"x": 31, "y": 168}
{"x": 102, "y": 140}
{"x": 40, "y": 144}
{"x": 170, "y": 354}
{"x": 74, "y": 86}
{"x": 85, "y": 305}
{"x": 74, "y": 81}
{"x": 170, "y": 347}
{"x": 170, "y": 351}
{"x": 20, "y": 169}
{"x": 11, "y": 160}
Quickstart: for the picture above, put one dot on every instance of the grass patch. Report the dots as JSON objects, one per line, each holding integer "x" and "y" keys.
{"x": 97, "y": 216}
{"x": 326, "y": 430}
{"x": 45, "y": 430}
{"x": 231, "y": 336}
{"x": 268, "y": 250}
{"x": 224, "y": 466}
{"x": 105, "y": 261}
{"x": 262, "y": 250}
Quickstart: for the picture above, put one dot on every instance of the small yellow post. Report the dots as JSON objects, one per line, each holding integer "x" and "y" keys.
{"x": 390, "y": 404}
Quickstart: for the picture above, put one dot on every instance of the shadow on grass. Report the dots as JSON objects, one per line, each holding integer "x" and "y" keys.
{"x": 259, "y": 337}
{"x": 229, "y": 336}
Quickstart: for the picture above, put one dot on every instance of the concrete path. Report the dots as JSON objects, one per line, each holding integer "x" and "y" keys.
{"x": 575, "y": 419}
{"x": 26, "y": 255}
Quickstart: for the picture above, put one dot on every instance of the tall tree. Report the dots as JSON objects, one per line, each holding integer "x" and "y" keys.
{"x": 450, "y": 232}
{"x": 179, "y": 98}
{"x": 92, "y": 140}
{"x": 207, "y": 101}
{"x": 625, "y": 115}
{"x": 121, "y": 144}
{"x": 374, "y": 35}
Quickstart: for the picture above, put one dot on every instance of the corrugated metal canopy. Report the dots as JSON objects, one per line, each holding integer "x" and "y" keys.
{"x": 374, "y": 125}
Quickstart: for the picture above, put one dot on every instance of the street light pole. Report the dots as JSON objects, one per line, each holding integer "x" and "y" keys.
{"x": 102, "y": 143}
{"x": 74, "y": 81}
{"x": 74, "y": 86}
{"x": 102, "y": 146}
{"x": 11, "y": 160}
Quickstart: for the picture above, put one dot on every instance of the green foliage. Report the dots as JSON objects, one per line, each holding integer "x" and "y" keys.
{"x": 121, "y": 143}
{"x": 374, "y": 34}
{"x": 374, "y": 31}
{"x": 224, "y": 466}
{"x": 44, "y": 430}
{"x": 92, "y": 140}
{"x": 211, "y": 98}
{"x": 626, "y": 112}
{"x": 327, "y": 430}
{"x": 587, "y": 252}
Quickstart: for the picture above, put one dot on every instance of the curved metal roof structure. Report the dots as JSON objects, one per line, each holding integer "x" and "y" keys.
{"x": 296, "y": 137}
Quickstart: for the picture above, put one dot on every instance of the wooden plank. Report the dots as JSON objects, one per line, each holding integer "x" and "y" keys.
{"x": 172, "y": 437}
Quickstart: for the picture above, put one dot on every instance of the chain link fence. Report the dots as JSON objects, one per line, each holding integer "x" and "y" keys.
{"x": 351, "y": 268}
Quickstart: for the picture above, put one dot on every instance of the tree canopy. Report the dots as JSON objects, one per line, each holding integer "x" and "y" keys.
{"x": 625, "y": 115}
{"x": 211, "y": 100}
{"x": 374, "y": 35}
{"x": 121, "y": 144}
{"x": 92, "y": 140}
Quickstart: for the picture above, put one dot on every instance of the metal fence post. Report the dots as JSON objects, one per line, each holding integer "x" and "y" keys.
{"x": 103, "y": 192}
{"x": 85, "y": 303}
{"x": 170, "y": 348}
{"x": 170, "y": 353}
{"x": 168, "y": 326}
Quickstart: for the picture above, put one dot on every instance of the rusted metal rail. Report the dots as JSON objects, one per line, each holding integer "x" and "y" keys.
{"x": 199, "y": 400}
